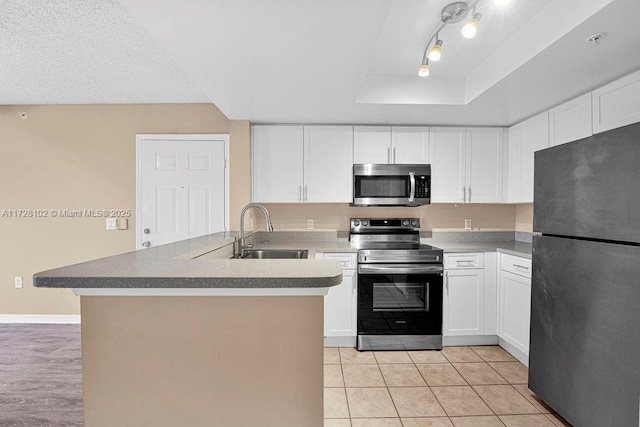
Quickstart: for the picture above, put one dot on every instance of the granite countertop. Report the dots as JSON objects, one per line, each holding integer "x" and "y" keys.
{"x": 201, "y": 262}
{"x": 204, "y": 262}
{"x": 511, "y": 247}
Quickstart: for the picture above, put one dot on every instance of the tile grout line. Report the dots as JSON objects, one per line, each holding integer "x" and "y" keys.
{"x": 344, "y": 383}
{"x": 387, "y": 387}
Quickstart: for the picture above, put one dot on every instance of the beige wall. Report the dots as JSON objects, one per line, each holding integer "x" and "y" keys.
{"x": 524, "y": 217}
{"x": 83, "y": 157}
{"x": 336, "y": 216}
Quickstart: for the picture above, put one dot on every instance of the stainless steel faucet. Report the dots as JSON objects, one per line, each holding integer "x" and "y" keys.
{"x": 243, "y": 245}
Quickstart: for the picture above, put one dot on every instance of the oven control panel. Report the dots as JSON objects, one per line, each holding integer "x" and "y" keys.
{"x": 386, "y": 224}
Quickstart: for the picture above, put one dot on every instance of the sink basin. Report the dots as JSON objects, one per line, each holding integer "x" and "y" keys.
{"x": 275, "y": 254}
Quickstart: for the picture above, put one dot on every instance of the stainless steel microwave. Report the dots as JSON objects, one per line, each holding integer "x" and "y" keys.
{"x": 391, "y": 185}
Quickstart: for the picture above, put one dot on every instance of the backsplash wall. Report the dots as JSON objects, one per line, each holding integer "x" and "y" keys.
{"x": 335, "y": 216}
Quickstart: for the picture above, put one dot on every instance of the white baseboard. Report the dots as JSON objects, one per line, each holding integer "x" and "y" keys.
{"x": 339, "y": 341}
{"x": 515, "y": 352}
{"x": 456, "y": 340}
{"x": 40, "y": 318}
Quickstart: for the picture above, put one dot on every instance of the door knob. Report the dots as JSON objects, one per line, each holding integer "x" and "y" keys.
{"x": 146, "y": 231}
{"x": 146, "y": 244}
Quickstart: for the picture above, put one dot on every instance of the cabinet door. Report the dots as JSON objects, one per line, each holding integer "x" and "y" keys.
{"x": 328, "y": 148}
{"x": 340, "y": 307}
{"x": 410, "y": 145}
{"x": 514, "y": 164}
{"x": 447, "y": 156}
{"x": 534, "y": 137}
{"x": 371, "y": 144}
{"x": 514, "y": 310}
{"x": 277, "y": 164}
{"x": 570, "y": 121}
{"x": 463, "y": 309}
{"x": 484, "y": 165}
{"x": 617, "y": 104}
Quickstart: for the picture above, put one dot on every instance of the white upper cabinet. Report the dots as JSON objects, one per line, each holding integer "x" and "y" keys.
{"x": 570, "y": 121}
{"x": 410, "y": 145}
{"x": 277, "y": 164}
{"x": 386, "y": 145}
{"x": 484, "y": 173}
{"x": 466, "y": 165}
{"x": 291, "y": 164}
{"x": 328, "y": 164}
{"x": 447, "y": 155}
{"x": 617, "y": 104}
{"x": 525, "y": 139}
{"x": 372, "y": 144}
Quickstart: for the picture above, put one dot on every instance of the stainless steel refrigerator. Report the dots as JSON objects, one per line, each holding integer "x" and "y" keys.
{"x": 584, "y": 358}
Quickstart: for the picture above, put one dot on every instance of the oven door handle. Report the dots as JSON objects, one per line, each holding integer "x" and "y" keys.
{"x": 400, "y": 269}
{"x": 412, "y": 191}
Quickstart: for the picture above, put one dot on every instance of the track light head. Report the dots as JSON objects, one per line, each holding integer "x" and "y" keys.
{"x": 424, "y": 68}
{"x": 436, "y": 51}
{"x": 470, "y": 29}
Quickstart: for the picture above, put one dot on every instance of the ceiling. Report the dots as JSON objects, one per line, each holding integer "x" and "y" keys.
{"x": 310, "y": 61}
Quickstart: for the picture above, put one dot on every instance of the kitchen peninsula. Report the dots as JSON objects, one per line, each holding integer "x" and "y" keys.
{"x": 180, "y": 334}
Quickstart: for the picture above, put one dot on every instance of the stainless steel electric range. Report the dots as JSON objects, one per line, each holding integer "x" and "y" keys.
{"x": 399, "y": 285}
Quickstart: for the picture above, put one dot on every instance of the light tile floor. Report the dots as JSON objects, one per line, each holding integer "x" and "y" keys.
{"x": 459, "y": 386}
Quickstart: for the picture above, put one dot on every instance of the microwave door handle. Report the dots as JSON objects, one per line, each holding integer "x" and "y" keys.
{"x": 412, "y": 191}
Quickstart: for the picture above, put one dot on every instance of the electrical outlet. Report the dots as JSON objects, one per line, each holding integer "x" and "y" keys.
{"x": 310, "y": 224}
{"x": 112, "y": 223}
{"x": 467, "y": 224}
{"x": 18, "y": 282}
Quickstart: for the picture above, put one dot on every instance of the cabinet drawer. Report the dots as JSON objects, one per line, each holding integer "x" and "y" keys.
{"x": 456, "y": 261}
{"x": 516, "y": 265}
{"x": 346, "y": 260}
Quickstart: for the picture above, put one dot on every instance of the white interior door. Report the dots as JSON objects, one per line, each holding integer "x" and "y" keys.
{"x": 182, "y": 189}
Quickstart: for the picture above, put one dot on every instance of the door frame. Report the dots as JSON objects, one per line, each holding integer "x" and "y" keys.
{"x": 205, "y": 137}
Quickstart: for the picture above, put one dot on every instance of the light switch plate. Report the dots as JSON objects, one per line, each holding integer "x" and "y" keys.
{"x": 112, "y": 223}
{"x": 467, "y": 224}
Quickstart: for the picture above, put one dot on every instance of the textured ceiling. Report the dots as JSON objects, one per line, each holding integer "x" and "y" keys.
{"x": 83, "y": 52}
{"x": 314, "y": 61}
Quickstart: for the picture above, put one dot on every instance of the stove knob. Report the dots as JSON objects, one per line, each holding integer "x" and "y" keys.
{"x": 365, "y": 222}
{"x": 414, "y": 223}
{"x": 356, "y": 222}
{"x": 405, "y": 222}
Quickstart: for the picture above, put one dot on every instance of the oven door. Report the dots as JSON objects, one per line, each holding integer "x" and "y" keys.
{"x": 399, "y": 302}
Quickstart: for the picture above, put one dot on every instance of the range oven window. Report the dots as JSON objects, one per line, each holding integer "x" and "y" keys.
{"x": 400, "y": 296}
{"x": 382, "y": 186}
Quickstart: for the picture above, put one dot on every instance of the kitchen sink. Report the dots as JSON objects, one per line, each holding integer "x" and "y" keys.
{"x": 275, "y": 254}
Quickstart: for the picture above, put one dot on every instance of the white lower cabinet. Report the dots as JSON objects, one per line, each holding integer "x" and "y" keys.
{"x": 463, "y": 301}
{"x": 469, "y": 299}
{"x": 340, "y": 304}
{"x": 514, "y": 305}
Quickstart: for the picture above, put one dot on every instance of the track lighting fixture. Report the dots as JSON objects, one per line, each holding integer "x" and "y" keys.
{"x": 451, "y": 14}
{"x": 471, "y": 27}
{"x": 436, "y": 51}
{"x": 424, "y": 68}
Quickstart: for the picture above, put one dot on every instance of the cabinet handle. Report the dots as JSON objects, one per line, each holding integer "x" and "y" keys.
{"x": 521, "y": 266}
{"x": 468, "y": 261}
{"x": 446, "y": 281}
{"x": 305, "y": 193}
{"x": 394, "y": 155}
{"x": 464, "y": 194}
{"x": 389, "y": 155}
